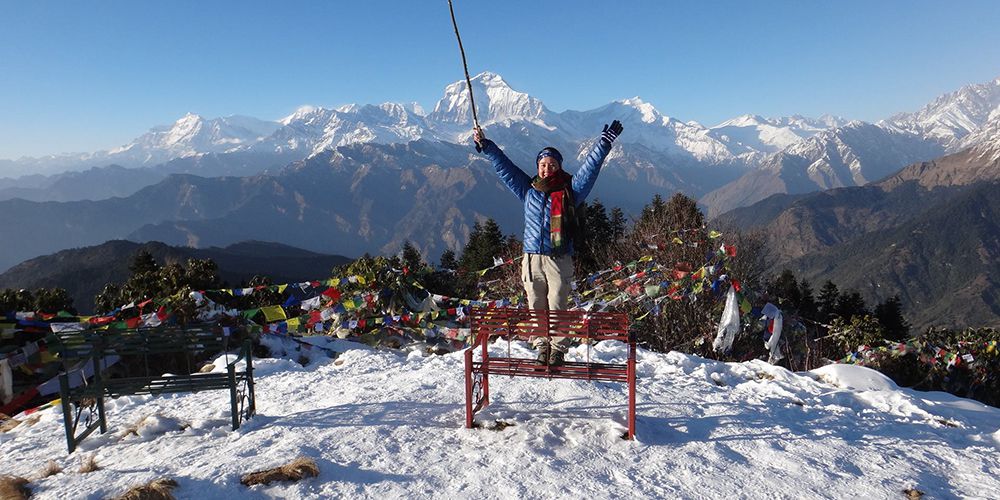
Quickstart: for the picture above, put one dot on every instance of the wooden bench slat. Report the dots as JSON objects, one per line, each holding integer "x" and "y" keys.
{"x": 511, "y": 323}
{"x": 136, "y": 350}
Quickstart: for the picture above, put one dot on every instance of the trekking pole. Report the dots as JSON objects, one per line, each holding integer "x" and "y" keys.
{"x": 465, "y": 66}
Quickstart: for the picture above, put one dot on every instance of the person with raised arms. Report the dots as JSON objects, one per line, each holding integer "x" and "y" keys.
{"x": 550, "y": 199}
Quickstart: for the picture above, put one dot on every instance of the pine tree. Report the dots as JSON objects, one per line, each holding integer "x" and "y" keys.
{"x": 411, "y": 258}
{"x": 807, "y": 302}
{"x": 485, "y": 242}
{"x": 829, "y": 295}
{"x": 594, "y": 236}
{"x": 890, "y": 315}
{"x": 448, "y": 260}
{"x": 619, "y": 224}
{"x": 143, "y": 262}
{"x": 851, "y": 304}
{"x": 652, "y": 210}
{"x": 786, "y": 290}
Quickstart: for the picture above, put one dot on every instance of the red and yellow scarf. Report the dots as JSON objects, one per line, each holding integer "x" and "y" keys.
{"x": 561, "y": 212}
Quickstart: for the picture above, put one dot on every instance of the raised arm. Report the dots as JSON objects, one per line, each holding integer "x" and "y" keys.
{"x": 513, "y": 177}
{"x": 583, "y": 179}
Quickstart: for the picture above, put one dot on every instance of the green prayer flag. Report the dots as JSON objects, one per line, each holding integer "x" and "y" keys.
{"x": 744, "y": 305}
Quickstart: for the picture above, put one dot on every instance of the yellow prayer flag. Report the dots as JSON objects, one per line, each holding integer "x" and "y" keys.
{"x": 273, "y": 313}
{"x": 281, "y": 288}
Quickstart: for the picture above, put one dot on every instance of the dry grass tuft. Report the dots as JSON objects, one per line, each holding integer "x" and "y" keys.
{"x": 89, "y": 464}
{"x": 134, "y": 428}
{"x": 295, "y": 470}
{"x": 32, "y": 420}
{"x": 14, "y": 488}
{"x": 7, "y": 423}
{"x": 500, "y": 425}
{"x": 157, "y": 489}
{"x": 51, "y": 469}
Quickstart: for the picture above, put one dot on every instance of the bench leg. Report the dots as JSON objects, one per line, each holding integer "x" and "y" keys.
{"x": 67, "y": 409}
{"x": 252, "y": 410}
{"x": 631, "y": 395}
{"x": 233, "y": 402}
{"x": 101, "y": 414}
{"x": 468, "y": 389}
{"x": 486, "y": 372}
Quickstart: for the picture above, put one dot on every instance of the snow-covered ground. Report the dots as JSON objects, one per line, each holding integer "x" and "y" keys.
{"x": 387, "y": 424}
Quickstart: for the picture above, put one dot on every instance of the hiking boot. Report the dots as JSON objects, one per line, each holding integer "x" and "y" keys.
{"x": 557, "y": 358}
{"x": 543, "y": 354}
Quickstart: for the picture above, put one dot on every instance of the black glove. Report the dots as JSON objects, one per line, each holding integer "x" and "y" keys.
{"x": 612, "y": 131}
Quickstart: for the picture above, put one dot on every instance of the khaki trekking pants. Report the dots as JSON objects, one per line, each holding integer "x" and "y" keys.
{"x": 547, "y": 283}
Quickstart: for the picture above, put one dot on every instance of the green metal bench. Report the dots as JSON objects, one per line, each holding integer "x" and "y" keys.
{"x": 131, "y": 362}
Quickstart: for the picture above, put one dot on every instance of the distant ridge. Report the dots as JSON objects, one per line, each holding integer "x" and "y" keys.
{"x": 83, "y": 272}
{"x": 928, "y": 233}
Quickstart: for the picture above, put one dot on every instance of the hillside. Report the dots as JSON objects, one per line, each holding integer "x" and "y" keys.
{"x": 942, "y": 263}
{"x": 383, "y": 424}
{"x": 83, "y": 272}
{"x": 926, "y": 233}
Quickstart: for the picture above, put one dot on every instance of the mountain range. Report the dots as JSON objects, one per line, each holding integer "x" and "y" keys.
{"x": 785, "y": 154}
{"x": 366, "y": 178}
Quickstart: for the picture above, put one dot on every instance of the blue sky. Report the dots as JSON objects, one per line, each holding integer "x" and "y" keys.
{"x": 83, "y": 76}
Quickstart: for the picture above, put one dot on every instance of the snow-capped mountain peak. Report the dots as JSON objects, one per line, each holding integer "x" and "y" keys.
{"x": 183, "y": 130}
{"x": 753, "y": 133}
{"x": 952, "y": 117}
{"x": 313, "y": 130}
{"x": 495, "y": 100}
{"x": 744, "y": 121}
{"x": 415, "y": 108}
{"x": 301, "y": 114}
{"x": 648, "y": 113}
{"x": 192, "y": 135}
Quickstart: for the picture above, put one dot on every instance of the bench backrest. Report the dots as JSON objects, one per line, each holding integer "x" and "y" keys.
{"x": 524, "y": 323}
{"x": 73, "y": 345}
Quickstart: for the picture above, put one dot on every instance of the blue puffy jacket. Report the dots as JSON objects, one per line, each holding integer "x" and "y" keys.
{"x": 536, "y": 203}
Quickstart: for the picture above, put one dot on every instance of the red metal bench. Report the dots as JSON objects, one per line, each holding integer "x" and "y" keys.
{"x": 512, "y": 323}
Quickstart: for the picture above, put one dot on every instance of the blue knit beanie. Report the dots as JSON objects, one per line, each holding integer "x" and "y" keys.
{"x": 551, "y": 153}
